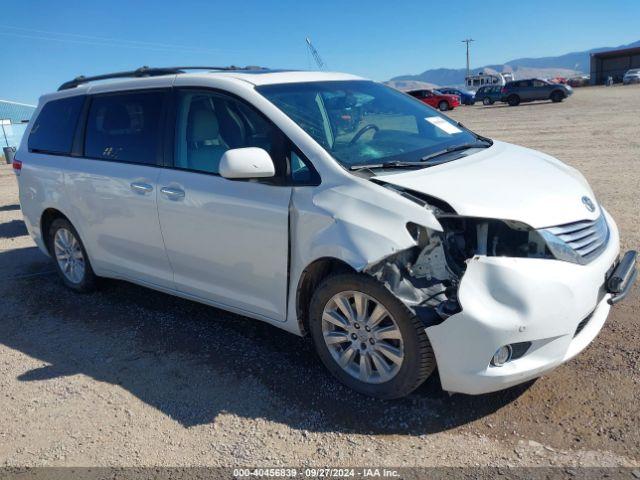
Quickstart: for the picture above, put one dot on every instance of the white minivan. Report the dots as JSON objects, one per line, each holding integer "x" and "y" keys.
{"x": 331, "y": 206}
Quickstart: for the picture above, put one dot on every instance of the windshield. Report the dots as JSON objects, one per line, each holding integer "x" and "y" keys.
{"x": 363, "y": 122}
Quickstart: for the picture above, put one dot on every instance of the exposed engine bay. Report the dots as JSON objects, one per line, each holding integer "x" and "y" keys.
{"x": 426, "y": 277}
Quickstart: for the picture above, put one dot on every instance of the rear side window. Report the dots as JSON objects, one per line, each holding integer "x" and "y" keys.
{"x": 125, "y": 127}
{"x": 54, "y": 128}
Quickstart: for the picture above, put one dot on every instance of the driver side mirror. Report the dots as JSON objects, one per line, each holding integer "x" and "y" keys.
{"x": 248, "y": 162}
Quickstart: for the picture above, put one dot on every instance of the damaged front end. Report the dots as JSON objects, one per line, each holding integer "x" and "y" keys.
{"x": 421, "y": 277}
{"x": 426, "y": 277}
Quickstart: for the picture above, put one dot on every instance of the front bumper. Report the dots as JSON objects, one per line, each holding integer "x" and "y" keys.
{"x": 512, "y": 300}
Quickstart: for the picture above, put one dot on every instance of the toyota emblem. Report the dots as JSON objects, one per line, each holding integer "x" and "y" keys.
{"x": 589, "y": 204}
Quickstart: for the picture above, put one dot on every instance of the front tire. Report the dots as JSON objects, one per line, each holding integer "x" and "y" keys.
{"x": 367, "y": 338}
{"x": 486, "y": 101}
{"x": 70, "y": 257}
{"x": 443, "y": 106}
{"x": 557, "y": 97}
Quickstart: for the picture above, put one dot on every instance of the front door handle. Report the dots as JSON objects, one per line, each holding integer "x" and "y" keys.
{"x": 172, "y": 193}
{"x": 141, "y": 187}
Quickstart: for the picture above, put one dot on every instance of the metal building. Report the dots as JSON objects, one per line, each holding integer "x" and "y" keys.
{"x": 13, "y": 122}
{"x": 613, "y": 63}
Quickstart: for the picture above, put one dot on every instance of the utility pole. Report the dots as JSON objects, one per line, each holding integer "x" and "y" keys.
{"x": 467, "y": 41}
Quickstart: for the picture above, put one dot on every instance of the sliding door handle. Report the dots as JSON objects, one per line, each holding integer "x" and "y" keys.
{"x": 141, "y": 187}
{"x": 172, "y": 193}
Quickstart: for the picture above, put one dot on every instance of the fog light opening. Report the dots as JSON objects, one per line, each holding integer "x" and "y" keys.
{"x": 502, "y": 356}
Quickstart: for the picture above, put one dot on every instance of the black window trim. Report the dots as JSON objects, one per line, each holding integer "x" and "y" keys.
{"x": 170, "y": 134}
{"x": 165, "y": 147}
{"x": 42, "y": 151}
{"x": 81, "y": 132}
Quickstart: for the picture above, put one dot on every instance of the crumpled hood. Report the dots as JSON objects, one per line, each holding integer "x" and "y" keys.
{"x": 505, "y": 182}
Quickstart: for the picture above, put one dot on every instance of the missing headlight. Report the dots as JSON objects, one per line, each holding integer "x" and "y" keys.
{"x": 469, "y": 236}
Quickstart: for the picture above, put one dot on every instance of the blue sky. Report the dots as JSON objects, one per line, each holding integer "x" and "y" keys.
{"x": 44, "y": 43}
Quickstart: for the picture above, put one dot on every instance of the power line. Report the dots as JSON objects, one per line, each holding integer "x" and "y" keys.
{"x": 102, "y": 41}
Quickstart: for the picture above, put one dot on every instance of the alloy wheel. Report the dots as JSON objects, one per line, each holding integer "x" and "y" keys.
{"x": 69, "y": 255}
{"x": 362, "y": 337}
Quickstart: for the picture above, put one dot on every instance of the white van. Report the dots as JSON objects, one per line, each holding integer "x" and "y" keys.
{"x": 482, "y": 79}
{"x": 328, "y": 205}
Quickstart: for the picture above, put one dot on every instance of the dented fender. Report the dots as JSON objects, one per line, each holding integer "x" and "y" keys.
{"x": 353, "y": 223}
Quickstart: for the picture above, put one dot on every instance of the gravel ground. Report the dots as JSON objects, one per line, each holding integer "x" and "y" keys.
{"x": 128, "y": 376}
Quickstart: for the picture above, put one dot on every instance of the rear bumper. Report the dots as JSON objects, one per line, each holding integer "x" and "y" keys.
{"x": 512, "y": 300}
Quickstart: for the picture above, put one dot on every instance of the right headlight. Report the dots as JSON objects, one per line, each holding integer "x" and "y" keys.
{"x": 577, "y": 242}
{"x": 465, "y": 237}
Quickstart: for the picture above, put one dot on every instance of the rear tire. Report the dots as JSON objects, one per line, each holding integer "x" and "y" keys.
{"x": 557, "y": 97}
{"x": 411, "y": 358}
{"x": 486, "y": 101}
{"x": 70, "y": 257}
{"x": 443, "y": 106}
{"x": 513, "y": 100}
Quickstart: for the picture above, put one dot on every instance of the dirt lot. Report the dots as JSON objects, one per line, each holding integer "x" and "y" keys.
{"x": 128, "y": 376}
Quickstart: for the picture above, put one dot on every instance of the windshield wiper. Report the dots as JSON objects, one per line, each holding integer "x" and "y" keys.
{"x": 477, "y": 135}
{"x": 394, "y": 164}
{"x": 455, "y": 148}
{"x": 421, "y": 163}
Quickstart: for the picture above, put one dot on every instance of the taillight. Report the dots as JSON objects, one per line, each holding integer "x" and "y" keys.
{"x": 17, "y": 166}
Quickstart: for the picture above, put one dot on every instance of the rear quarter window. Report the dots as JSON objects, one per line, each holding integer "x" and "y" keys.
{"x": 54, "y": 128}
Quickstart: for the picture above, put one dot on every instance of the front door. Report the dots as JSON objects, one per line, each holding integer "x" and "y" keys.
{"x": 227, "y": 240}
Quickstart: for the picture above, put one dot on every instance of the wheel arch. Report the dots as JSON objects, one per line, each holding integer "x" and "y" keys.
{"x": 312, "y": 275}
{"x": 49, "y": 215}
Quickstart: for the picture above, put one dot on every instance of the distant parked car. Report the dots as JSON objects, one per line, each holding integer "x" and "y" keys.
{"x": 580, "y": 81}
{"x": 534, "y": 89}
{"x": 561, "y": 80}
{"x": 489, "y": 95}
{"x": 466, "y": 97}
{"x": 433, "y": 98}
{"x": 632, "y": 76}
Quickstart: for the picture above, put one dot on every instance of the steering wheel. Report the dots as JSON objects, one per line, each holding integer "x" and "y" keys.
{"x": 362, "y": 131}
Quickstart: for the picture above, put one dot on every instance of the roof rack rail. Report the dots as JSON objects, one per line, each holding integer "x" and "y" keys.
{"x": 148, "y": 72}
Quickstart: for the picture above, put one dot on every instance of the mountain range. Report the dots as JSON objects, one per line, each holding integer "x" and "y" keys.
{"x": 563, "y": 65}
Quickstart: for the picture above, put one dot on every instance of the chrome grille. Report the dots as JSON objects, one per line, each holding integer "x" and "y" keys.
{"x": 587, "y": 238}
